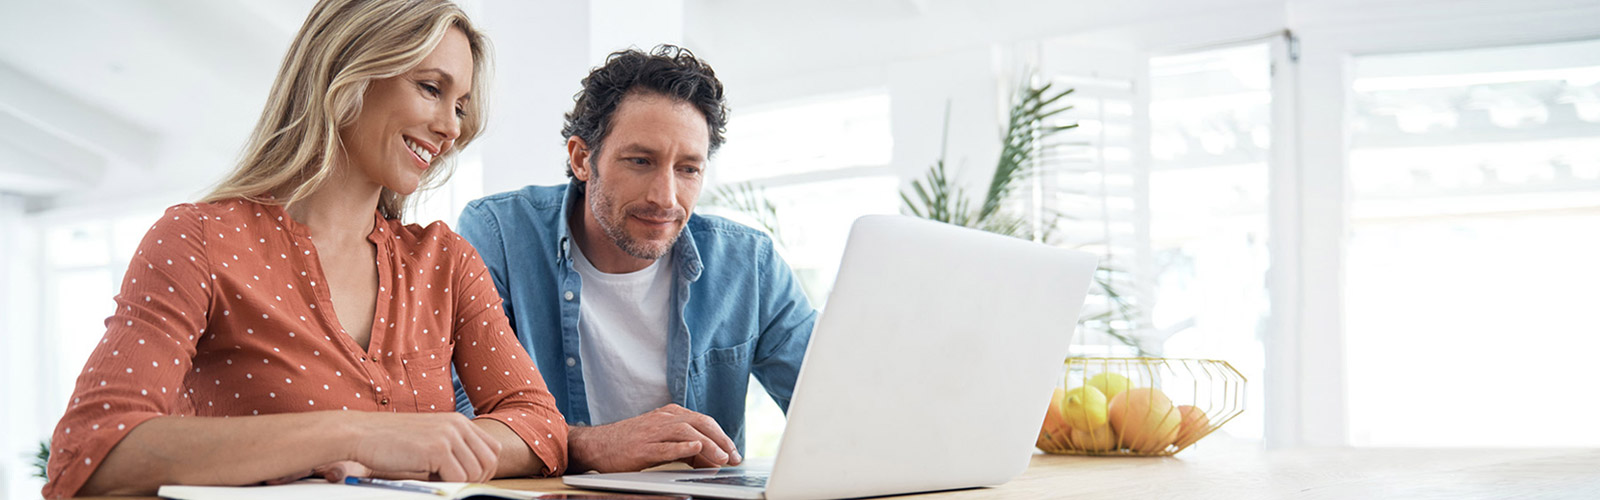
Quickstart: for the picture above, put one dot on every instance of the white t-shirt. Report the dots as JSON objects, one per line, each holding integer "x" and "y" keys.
{"x": 622, "y": 332}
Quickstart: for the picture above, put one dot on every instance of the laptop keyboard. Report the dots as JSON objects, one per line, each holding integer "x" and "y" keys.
{"x": 755, "y": 481}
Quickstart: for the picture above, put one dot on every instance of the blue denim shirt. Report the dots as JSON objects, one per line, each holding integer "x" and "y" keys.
{"x": 737, "y": 308}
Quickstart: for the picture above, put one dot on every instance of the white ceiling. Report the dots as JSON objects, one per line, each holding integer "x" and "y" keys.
{"x": 96, "y": 90}
{"x": 764, "y": 40}
{"x": 97, "y": 93}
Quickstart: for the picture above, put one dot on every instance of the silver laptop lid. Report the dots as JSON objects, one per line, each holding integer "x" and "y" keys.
{"x": 931, "y": 365}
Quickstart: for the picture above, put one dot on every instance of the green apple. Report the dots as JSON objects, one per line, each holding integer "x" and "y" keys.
{"x": 1084, "y": 408}
{"x": 1110, "y": 384}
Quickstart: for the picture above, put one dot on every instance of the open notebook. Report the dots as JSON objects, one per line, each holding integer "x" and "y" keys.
{"x": 323, "y": 490}
{"x": 317, "y": 488}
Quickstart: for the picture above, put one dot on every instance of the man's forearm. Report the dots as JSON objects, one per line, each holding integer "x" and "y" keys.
{"x": 579, "y": 444}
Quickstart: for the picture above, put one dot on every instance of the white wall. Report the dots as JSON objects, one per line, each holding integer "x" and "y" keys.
{"x": 542, "y": 51}
{"x": 18, "y": 349}
{"x": 927, "y": 52}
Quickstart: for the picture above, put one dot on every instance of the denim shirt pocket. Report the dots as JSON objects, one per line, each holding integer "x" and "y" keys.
{"x": 719, "y": 364}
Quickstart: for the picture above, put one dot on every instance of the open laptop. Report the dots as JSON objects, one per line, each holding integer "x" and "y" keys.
{"x": 930, "y": 369}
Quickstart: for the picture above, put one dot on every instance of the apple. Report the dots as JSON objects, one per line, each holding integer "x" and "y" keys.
{"x": 1110, "y": 384}
{"x": 1055, "y": 428}
{"x": 1193, "y": 427}
{"x": 1100, "y": 439}
{"x": 1084, "y": 408}
{"x": 1145, "y": 419}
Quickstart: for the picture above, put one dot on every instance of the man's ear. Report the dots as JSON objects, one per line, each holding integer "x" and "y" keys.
{"x": 578, "y": 156}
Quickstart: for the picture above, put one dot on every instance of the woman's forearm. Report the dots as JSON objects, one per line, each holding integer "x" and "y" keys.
{"x": 516, "y": 458}
{"x": 220, "y": 451}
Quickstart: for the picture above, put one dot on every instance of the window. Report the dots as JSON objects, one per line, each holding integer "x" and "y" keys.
{"x": 1166, "y": 176}
{"x": 1092, "y": 189}
{"x": 84, "y": 263}
{"x": 1471, "y": 272}
{"x": 1210, "y": 138}
{"x": 821, "y": 163}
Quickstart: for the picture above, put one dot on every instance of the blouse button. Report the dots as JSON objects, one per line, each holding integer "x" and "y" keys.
{"x": 568, "y": 295}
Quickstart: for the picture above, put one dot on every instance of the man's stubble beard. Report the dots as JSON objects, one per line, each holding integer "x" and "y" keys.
{"x": 603, "y": 207}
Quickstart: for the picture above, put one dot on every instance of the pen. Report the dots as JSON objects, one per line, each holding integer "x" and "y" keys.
{"x": 394, "y": 485}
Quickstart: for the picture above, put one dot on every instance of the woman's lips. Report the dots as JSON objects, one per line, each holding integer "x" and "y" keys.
{"x": 417, "y": 159}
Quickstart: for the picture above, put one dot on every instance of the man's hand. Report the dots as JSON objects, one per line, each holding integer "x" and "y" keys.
{"x": 667, "y": 434}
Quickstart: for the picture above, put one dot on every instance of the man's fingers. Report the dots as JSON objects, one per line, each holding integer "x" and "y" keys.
{"x": 709, "y": 451}
{"x": 660, "y": 453}
{"x": 709, "y": 428}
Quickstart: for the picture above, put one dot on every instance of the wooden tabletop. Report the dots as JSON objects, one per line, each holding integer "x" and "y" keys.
{"x": 1242, "y": 470}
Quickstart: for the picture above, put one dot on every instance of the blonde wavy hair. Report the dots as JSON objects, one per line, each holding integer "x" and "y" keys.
{"x": 343, "y": 46}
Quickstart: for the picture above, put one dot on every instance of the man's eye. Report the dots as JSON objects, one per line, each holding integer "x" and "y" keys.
{"x": 638, "y": 161}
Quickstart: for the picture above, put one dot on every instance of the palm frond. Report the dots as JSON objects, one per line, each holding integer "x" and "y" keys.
{"x": 41, "y": 461}
{"x": 1030, "y": 134}
{"x": 750, "y": 200}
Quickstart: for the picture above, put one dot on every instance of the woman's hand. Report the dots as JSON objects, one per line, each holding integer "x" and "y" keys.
{"x": 443, "y": 445}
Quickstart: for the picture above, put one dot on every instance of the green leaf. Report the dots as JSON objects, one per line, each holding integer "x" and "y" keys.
{"x": 1029, "y": 137}
{"x": 41, "y": 461}
{"x": 750, "y": 200}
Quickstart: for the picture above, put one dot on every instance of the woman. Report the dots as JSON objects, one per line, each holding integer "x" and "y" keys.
{"x": 289, "y": 322}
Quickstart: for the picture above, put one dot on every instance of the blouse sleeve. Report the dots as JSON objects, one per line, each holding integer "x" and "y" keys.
{"x": 136, "y": 372}
{"x": 496, "y": 373}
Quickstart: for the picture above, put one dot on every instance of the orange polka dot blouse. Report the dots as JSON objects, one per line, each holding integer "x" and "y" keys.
{"x": 224, "y": 312}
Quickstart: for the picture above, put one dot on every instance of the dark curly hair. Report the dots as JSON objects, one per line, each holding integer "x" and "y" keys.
{"x": 668, "y": 70}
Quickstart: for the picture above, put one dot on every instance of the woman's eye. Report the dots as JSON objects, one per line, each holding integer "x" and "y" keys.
{"x": 461, "y": 112}
{"x": 430, "y": 89}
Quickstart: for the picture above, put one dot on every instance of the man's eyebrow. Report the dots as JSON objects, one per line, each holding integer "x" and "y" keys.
{"x": 637, "y": 148}
{"x": 648, "y": 151}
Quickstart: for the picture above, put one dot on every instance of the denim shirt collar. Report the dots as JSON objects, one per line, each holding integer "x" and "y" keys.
{"x": 684, "y": 251}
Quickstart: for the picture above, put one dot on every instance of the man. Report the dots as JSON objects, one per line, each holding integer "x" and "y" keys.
{"x": 645, "y": 319}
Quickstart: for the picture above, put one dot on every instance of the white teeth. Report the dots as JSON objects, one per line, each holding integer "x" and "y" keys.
{"x": 421, "y": 153}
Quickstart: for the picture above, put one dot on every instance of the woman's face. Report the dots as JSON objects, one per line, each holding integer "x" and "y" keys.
{"x": 408, "y": 120}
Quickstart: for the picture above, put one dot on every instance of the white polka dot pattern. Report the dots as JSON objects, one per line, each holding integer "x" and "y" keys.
{"x": 237, "y": 336}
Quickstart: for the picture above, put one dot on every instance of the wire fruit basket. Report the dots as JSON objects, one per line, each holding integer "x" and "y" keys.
{"x": 1139, "y": 406}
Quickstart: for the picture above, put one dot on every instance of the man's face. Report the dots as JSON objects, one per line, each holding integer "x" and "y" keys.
{"x": 644, "y": 182}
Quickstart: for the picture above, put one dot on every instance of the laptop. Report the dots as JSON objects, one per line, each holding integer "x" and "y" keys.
{"x": 929, "y": 369}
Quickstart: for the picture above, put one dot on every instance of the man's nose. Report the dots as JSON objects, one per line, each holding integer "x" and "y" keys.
{"x": 663, "y": 190}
